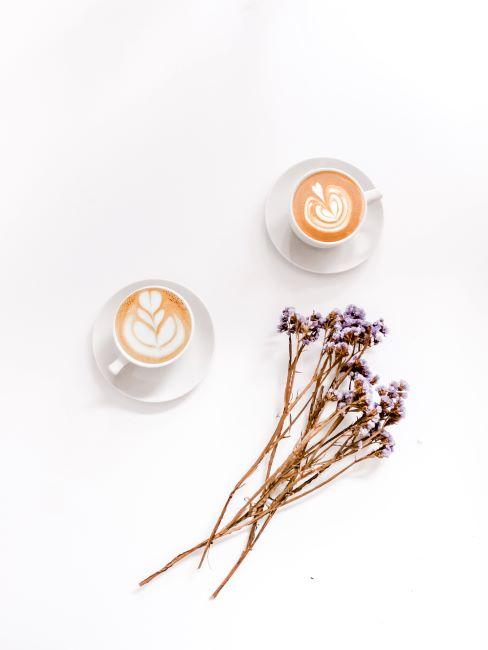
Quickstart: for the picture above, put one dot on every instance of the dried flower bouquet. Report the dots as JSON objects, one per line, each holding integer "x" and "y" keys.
{"x": 340, "y": 415}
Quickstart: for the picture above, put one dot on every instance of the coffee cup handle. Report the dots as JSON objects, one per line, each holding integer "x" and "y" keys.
{"x": 373, "y": 195}
{"x": 117, "y": 365}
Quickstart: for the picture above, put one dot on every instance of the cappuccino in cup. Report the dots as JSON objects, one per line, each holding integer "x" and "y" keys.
{"x": 153, "y": 326}
{"x": 328, "y": 207}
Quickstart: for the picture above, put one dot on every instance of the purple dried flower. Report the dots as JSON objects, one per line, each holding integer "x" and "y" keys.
{"x": 378, "y": 331}
{"x": 342, "y": 349}
{"x": 354, "y": 311}
{"x": 316, "y": 315}
{"x": 351, "y": 327}
{"x": 332, "y": 318}
{"x": 347, "y": 333}
{"x": 392, "y": 401}
{"x": 345, "y": 399}
{"x": 357, "y": 367}
{"x": 306, "y": 327}
{"x": 403, "y": 386}
{"x": 287, "y": 315}
{"x": 333, "y": 395}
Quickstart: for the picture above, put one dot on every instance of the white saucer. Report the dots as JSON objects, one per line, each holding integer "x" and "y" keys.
{"x": 332, "y": 260}
{"x": 156, "y": 385}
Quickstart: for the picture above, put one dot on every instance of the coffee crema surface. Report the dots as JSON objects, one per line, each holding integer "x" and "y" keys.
{"x": 328, "y": 206}
{"x": 153, "y": 325}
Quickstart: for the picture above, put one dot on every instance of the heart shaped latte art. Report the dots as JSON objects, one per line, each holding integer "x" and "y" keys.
{"x": 327, "y": 209}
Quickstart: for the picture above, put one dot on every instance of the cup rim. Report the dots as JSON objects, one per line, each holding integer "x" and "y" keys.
{"x": 144, "y": 364}
{"x": 316, "y": 242}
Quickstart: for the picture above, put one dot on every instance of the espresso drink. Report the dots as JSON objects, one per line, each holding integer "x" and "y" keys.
{"x": 328, "y": 206}
{"x": 153, "y": 325}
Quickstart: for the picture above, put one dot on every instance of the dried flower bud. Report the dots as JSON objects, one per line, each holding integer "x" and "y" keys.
{"x": 333, "y": 395}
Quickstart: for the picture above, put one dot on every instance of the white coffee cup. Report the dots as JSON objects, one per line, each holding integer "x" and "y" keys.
{"x": 123, "y": 358}
{"x": 369, "y": 196}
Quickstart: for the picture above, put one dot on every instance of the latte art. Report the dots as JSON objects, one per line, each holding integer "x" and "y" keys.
{"x": 329, "y": 210}
{"x": 328, "y": 206}
{"x": 153, "y": 325}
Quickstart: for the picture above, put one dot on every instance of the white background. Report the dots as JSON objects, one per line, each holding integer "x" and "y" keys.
{"x": 139, "y": 139}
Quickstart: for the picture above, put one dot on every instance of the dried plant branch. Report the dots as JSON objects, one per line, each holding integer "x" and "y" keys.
{"x": 342, "y": 417}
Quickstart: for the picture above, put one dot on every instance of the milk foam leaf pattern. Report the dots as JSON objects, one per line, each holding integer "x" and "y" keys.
{"x": 166, "y": 332}
{"x": 145, "y": 316}
{"x": 144, "y": 333}
{"x": 151, "y": 301}
{"x": 147, "y": 326}
{"x": 154, "y": 325}
{"x": 338, "y": 417}
{"x": 152, "y": 329}
{"x": 158, "y": 317}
